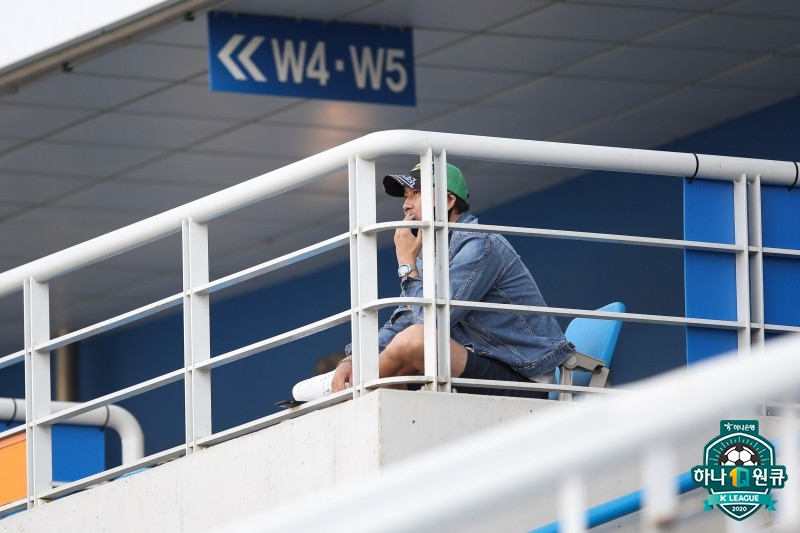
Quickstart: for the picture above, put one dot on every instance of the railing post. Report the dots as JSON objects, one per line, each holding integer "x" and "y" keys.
{"x": 741, "y": 234}
{"x": 363, "y": 272}
{"x": 196, "y": 333}
{"x": 442, "y": 264}
{"x": 37, "y": 389}
{"x": 429, "y": 272}
{"x": 756, "y": 262}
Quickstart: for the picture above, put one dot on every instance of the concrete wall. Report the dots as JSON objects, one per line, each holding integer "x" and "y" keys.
{"x": 300, "y": 459}
{"x": 292, "y": 460}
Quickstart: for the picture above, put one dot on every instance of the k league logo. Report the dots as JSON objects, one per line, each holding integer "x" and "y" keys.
{"x": 739, "y": 470}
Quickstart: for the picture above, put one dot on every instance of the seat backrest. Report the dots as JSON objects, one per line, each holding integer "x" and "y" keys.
{"x": 596, "y": 337}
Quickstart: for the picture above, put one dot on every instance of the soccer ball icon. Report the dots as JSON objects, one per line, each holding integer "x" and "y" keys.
{"x": 739, "y": 455}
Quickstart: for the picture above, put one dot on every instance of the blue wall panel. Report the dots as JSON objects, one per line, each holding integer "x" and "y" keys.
{"x": 780, "y": 219}
{"x": 710, "y": 277}
{"x": 78, "y": 452}
{"x": 782, "y": 291}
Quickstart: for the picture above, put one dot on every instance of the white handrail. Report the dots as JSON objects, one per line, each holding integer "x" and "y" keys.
{"x": 359, "y": 156}
{"x": 393, "y": 142}
{"x": 111, "y": 416}
{"x": 468, "y": 478}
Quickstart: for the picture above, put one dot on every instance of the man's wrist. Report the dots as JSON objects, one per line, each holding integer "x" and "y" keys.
{"x": 406, "y": 269}
{"x": 348, "y": 359}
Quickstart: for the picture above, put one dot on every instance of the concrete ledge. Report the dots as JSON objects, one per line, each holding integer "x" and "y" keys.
{"x": 294, "y": 459}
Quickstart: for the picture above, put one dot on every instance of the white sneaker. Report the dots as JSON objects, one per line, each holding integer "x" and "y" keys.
{"x": 313, "y": 388}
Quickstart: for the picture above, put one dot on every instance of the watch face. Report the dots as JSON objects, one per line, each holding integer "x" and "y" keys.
{"x": 404, "y": 270}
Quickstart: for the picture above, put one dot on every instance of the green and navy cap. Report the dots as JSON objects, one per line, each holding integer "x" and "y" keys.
{"x": 393, "y": 184}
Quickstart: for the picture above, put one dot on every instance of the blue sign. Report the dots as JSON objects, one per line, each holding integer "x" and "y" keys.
{"x": 311, "y": 59}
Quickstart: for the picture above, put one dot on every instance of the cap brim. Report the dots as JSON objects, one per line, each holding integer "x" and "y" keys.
{"x": 395, "y": 184}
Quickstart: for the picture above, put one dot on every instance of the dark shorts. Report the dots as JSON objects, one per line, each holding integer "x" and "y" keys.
{"x": 479, "y": 367}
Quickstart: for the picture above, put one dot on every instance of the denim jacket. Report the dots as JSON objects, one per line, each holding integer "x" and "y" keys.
{"x": 484, "y": 267}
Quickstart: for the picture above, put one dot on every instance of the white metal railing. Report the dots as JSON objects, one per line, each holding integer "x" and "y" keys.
{"x": 451, "y": 486}
{"x": 359, "y": 157}
{"x": 111, "y": 416}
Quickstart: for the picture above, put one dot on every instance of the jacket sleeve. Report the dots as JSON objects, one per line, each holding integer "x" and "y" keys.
{"x": 472, "y": 273}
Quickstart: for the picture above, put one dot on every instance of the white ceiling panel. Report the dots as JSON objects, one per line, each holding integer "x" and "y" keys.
{"x": 74, "y": 159}
{"x": 145, "y": 198}
{"x": 428, "y": 41}
{"x": 216, "y": 170}
{"x": 713, "y": 103}
{"x": 358, "y": 117}
{"x": 533, "y": 122}
{"x": 470, "y": 15}
{"x": 731, "y": 33}
{"x": 574, "y": 100}
{"x": 316, "y": 9}
{"x": 770, "y": 72}
{"x": 35, "y": 188}
{"x": 197, "y": 101}
{"x": 463, "y": 85}
{"x": 775, "y": 8}
{"x": 637, "y": 130}
{"x": 34, "y": 121}
{"x": 26, "y": 237}
{"x": 7, "y": 208}
{"x": 6, "y": 143}
{"x": 149, "y": 61}
{"x": 188, "y": 33}
{"x": 687, "y": 5}
{"x": 71, "y": 217}
{"x": 143, "y": 131}
{"x": 84, "y": 91}
{"x": 281, "y": 141}
{"x": 530, "y": 55}
{"x": 659, "y": 64}
{"x": 604, "y": 22}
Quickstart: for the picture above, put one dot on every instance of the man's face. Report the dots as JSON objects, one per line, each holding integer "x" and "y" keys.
{"x": 412, "y": 203}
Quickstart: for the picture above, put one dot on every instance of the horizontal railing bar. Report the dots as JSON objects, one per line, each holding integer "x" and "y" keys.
{"x": 69, "y": 488}
{"x": 14, "y": 358}
{"x": 17, "y": 505}
{"x": 780, "y": 327}
{"x": 397, "y": 380}
{"x": 611, "y": 238}
{"x": 277, "y": 340}
{"x": 777, "y": 252}
{"x": 275, "y": 264}
{"x": 562, "y": 311}
{"x": 275, "y": 418}
{"x": 16, "y": 430}
{"x": 111, "y": 323}
{"x": 521, "y": 385}
{"x": 114, "y": 397}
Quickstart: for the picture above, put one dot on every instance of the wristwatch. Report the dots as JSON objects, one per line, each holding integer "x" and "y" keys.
{"x": 405, "y": 270}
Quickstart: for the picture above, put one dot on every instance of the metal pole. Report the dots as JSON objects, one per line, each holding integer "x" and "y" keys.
{"x": 37, "y": 390}
{"x": 196, "y": 333}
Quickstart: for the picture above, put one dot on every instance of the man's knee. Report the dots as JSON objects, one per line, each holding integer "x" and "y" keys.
{"x": 408, "y": 346}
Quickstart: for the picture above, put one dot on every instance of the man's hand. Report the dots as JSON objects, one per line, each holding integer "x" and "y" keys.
{"x": 343, "y": 378}
{"x": 406, "y": 244}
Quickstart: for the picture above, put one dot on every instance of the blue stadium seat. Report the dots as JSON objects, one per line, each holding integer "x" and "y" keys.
{"x": 596, "y": 338}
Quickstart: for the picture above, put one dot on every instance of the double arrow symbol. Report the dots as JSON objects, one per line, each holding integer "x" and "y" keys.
{"x": 224, "y": 55}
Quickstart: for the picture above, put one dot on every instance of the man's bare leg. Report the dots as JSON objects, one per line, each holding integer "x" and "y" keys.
{"x": 404, "y": 356}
